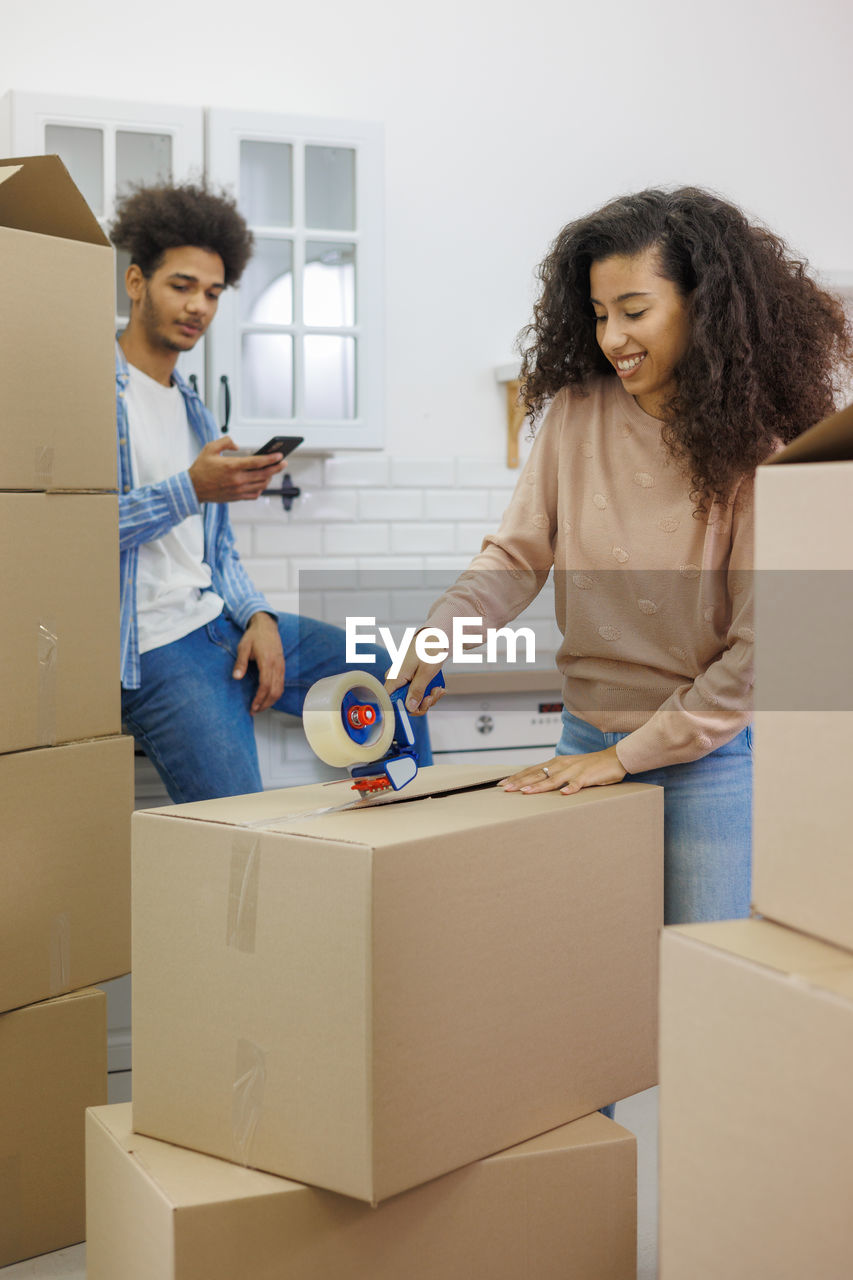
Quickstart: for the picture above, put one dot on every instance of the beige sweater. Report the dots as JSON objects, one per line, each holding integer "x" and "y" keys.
{"x": 654, "y": 604}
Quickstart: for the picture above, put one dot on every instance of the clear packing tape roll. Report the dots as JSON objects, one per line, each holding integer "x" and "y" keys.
{"x": 324, "y": 726}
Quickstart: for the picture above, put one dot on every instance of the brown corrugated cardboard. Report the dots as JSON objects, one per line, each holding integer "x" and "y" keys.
{"x": 59, "y": 679}
{"x": 365, "y": 1000}
{"x": 53, "y": 1065}
{"x": 57, "y": 388}
{"x": 802, "y": 869}
{"x": 64, "y": 868}
{"x": 756, "y": 1106}
{"x": 563, "y": 1204}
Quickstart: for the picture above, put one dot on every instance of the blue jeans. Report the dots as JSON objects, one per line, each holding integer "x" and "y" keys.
{"x": 192, "y": 719}
{"x": 707, "y": 824}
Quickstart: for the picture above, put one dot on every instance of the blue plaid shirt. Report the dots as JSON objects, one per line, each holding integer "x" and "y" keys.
{"x": 152, "y": 510}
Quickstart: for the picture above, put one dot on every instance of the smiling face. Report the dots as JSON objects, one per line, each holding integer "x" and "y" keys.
{"x": 641, "y": 324}
{"x": 173, "y": 307}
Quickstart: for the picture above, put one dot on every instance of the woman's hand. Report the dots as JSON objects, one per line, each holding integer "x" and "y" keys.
{"x": 418, "y": 674}
{"x": 568, "y": 774}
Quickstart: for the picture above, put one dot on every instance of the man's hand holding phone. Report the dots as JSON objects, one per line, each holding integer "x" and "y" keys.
{"x": 224, "y": 473}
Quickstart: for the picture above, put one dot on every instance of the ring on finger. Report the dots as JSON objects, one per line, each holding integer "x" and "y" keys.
{"x": 546, "y": 771}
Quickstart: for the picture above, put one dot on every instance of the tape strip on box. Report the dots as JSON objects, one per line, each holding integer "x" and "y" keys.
{"x": 250, "y": 1077}
{"x": 48, "y": 660}
{"x": 243, "y": 892}
{"x": 43, "y": 467}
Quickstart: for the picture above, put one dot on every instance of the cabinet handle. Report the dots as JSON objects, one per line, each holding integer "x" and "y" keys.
{"x": 223, "y": 382}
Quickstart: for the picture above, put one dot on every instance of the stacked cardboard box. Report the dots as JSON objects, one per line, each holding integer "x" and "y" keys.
{"x": 757, "y": 1016}
{"x": 369, "y": 999}
{"x": 65, "y": 773}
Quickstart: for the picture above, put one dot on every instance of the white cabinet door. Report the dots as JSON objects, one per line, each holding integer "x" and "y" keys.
{"x": 298, "y": 347}
{"x": 108, "y": 146}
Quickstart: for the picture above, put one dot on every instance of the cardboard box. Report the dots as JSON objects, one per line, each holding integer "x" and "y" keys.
{"x": 59, "y": 629}
{"x": 802, "y": 869}
{"x": 366, "y": 999}
{"x": 57, "y": 388}
{"x": 756, "y": 1104}
{"x": 64, "y": 868}
{"x": 563, "y": 1204}
{"x": 53, "y": 1065}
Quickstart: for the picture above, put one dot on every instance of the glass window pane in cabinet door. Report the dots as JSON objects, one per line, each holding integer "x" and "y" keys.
{"x": 82, "y": 152}
{"x": 142, "y": 157}
{"x": 266, "y": 184}
{"x": 267, "y": 382}
{"x": 329, "y": 376}
{"x": 266, "y": 289}
{"x": 328, "y": 288}
{"x": 330, "y": 188}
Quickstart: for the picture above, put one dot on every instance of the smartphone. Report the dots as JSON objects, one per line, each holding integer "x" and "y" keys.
{"x": 278, "y": 444}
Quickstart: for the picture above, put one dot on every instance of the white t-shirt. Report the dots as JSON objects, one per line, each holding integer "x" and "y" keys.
{"x": 171, "y": 600}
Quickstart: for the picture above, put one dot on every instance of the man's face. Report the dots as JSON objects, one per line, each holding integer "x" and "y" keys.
{"x": 177, "y": 302}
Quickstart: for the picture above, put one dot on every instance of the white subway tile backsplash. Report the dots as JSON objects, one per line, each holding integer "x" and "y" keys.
{"x": 326, "y": 504}
{"x": 390, "y": 504}
{"x": 347, "y": 469}
{"x": 457, "y": 504}
{"x": 423, "y": 537}
{"x": 485, "y": 473}
{"x": 282, "y": 601}
{"x": 372, "y": 524}
{"x": 498, "y": 503}
{"x": 425, "y": 473}
{"x": 359, "y": 539}
{"x": 288, "y": 602}
{"x": 267, "y": 575}
{"x": 449, "y": 566}
{"x": 397, "y": 567}
{"x": 469, "y": 537}
{"x": 323, "y": 573}
{"x": 410, "y": 608}
{"x": 340, "y": 605}
{"x": 288, "y": 539}
{"x": 306, "y": 472}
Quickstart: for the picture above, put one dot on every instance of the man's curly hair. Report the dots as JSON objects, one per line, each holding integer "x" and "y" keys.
{"x": 151, "y": 220}
{"x": 766, "y": 343}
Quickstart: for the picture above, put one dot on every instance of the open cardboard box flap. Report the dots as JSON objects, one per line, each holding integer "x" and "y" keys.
{"x": 828, "y": 441}
{"x": 38, "y": 194}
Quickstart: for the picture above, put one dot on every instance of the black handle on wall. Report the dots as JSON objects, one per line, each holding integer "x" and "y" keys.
{"x": 223, "y": 382}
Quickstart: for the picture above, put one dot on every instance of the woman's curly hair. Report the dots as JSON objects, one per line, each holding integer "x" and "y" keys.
{"x": 766, "y": 342}
{"x": 151, "y": 220}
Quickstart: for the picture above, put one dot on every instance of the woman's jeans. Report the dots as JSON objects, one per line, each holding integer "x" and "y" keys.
{"x": 707, "y": 823}
{"x": 192, "y": 718}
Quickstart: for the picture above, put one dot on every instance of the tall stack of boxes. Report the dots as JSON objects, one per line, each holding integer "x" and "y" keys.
{"x": 371, "y": 1040}
{"x": 757, "y": 1015}
{"x": 65, "y": 773}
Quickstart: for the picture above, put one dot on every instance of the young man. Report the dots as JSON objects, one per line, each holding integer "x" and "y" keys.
{"x": 201, "y": 649}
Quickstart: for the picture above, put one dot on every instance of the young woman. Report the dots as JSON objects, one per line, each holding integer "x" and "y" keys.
{"x": 678, "y": 345}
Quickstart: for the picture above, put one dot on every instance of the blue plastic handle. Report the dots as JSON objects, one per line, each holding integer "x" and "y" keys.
{"x": 437, "y": 682}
